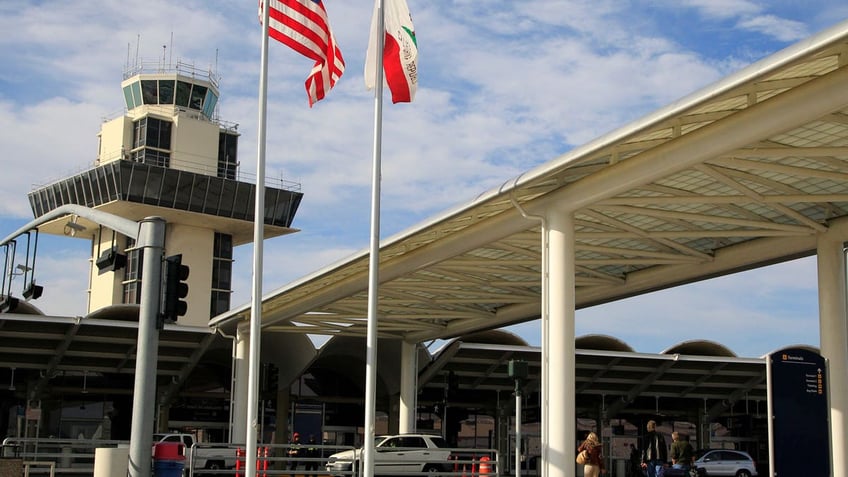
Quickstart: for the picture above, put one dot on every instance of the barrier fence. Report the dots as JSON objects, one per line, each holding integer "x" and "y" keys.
{"x": 75, "y": 457}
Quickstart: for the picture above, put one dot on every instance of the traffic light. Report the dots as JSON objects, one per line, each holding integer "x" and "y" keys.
{"x": 174, "y": 290}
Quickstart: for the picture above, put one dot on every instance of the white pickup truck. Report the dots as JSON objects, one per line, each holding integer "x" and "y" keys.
{"x": 206, "y": 456}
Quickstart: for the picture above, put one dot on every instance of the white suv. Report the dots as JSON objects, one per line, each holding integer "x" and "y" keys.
{"x": 400, "y": 454}
{"x": 721, "y": 462}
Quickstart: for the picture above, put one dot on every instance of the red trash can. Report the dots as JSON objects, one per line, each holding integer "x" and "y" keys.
{"x": 168, "y": 459}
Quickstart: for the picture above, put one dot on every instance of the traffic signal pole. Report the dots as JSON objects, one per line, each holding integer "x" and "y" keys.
{"x": 151, "y": 240}
{"x": 149, "y": 234}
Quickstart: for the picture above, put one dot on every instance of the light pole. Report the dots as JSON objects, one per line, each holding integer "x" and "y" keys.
{"x": 518, "y": 371}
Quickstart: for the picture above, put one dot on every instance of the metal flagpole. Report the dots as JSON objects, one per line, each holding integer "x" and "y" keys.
{"x": 374, "y": 261}
{"x": 258, "y": 240}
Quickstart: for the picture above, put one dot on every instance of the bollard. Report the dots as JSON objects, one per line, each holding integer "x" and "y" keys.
{"x": 239, "y": 461}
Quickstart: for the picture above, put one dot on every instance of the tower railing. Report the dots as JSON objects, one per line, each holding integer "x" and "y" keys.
{"x": 160, "y": 66}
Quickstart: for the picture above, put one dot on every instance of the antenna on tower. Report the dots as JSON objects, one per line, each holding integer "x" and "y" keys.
{"x": 171, "y": 56}
{"x": 137, "y": 42}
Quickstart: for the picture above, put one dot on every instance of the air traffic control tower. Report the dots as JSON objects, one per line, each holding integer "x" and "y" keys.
{"x": 170, "y": 156}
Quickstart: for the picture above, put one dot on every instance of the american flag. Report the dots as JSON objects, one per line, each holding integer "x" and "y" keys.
{"x": 303, "y": 26}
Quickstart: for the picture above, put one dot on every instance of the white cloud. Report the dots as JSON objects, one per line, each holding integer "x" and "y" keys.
{"x": 723, "y": 9}
{"x": 780, "y": 28}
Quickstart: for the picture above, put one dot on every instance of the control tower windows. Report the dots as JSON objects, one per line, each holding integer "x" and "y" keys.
{"x": 132, "y": 95}
{"x": 171, "y": 92}
{"x": 152, "y": 141}
{"x": 183, "y": 93}
{"x": 222, "y": 273}
{"x": 209, "y": 103}
{"x": 166, "y": 92}
{"x": 128, "y": 97}
{"x": 150, "y": 91}
{"x": 131, "y": 284}
{"x": 198, "y": 94}
{"x": 227, "y": 154}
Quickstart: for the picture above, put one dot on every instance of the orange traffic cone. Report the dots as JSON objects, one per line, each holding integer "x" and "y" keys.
{"x": 485, "y": 468}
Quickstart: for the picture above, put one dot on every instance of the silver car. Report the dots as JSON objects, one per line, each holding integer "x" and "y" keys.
{"x": 722, "y": 462}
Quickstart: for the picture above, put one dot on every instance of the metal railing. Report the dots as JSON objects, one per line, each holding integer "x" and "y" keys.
{"x": 180, "y": 67}
{"x": 75, "y": 457}
{"x": 56, "y": 456}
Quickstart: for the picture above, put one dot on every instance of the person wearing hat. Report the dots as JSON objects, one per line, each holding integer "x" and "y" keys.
{"x": 294, "y": 451}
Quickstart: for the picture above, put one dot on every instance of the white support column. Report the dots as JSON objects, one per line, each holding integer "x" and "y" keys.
{"x": 558, "y": 408}
{"x": 408, "y": 386}
{"x": 834, "y": 342}
{"x": 238, "y": 393}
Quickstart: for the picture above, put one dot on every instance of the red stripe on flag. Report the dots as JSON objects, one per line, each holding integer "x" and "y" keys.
{"x": 302, "y": 25}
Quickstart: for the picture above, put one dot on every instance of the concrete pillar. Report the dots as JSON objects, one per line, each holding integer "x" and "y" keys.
{"x": 558, "y": 350}
{"x": 834, "y": 342}
{"x": 408, "y": 385}
{"x": 238, "y": 401}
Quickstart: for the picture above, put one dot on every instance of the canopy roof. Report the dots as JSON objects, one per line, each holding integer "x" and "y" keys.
{"x": 740, "y": 174}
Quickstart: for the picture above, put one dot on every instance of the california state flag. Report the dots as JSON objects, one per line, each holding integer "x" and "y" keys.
{"x": 400, "y": 52}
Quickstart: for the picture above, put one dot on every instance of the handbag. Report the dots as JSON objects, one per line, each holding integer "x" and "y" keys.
{"x": 582, "y": 457}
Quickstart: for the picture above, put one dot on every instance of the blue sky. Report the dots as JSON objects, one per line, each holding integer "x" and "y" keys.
{"x": 504, "y": 86}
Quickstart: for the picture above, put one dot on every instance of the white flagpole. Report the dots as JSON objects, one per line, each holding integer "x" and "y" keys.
{"x": 258, "y": 241}
{"x": 374, "y": 262}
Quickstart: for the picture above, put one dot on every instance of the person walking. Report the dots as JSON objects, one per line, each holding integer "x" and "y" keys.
{"x": 594, "y": 466}
{"x": 682, "y": 452}
{"x": 654, "y": 454}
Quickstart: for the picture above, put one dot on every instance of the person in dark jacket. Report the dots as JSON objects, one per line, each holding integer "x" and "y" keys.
{"x": 294, "y": 451}
{"x": 655, "y": 453}
{"x": 682, "y": 453}
{"x": 595, "y": 465}
{"x": 312, "y": 456}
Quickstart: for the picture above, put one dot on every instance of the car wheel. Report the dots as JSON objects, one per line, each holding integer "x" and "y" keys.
{"x": 743, "y": 473}
{"x": 432, "y": 470}
{"x": 214, "y": 465}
